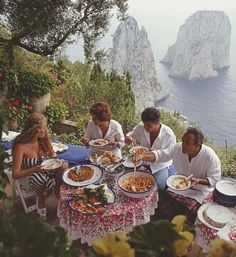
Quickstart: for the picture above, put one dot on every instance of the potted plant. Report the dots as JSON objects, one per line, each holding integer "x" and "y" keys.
{"x": 16, "y": 111}
{"x": 36, "y": 85}
{"x": 56, "y": 112}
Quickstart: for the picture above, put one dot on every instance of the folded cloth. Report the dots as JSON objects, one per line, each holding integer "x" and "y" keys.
{"x": 6, "y": 144}
{"x": 74, "y": 154}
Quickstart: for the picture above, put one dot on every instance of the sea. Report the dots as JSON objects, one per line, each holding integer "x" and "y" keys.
{"x": 211, "y": 103}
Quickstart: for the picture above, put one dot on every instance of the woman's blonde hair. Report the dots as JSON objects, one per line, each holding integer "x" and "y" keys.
{"x": 32, "y": 124}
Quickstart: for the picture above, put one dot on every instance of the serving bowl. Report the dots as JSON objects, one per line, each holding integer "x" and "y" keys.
{"x": 114, "y": 170}
{"x": 137, "y": 184}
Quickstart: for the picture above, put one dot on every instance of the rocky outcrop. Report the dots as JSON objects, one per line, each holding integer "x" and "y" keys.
{"x": 202, "y": 46}
{"x": 132, "y": 52}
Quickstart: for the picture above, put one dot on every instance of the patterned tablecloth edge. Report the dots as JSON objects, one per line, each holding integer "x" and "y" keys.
{"x": 75, "y": 235}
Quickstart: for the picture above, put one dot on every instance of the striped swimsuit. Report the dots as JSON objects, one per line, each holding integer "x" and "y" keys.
{"x": 38, "y": 179}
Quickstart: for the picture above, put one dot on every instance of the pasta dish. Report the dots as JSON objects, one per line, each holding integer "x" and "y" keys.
{"x": 137, "y": 183}
{"x": 84, "y": 173}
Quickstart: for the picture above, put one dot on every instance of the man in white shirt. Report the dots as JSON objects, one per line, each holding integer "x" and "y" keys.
{"x": 189, "y": 157}
{"x": 151, "y": 133}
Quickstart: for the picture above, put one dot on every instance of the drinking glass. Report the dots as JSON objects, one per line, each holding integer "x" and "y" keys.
{"x": 93, "y": 157}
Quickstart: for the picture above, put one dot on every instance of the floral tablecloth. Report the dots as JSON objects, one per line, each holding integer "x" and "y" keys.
{"x": 204, "y": 234}
{"x": 124, "y": 214}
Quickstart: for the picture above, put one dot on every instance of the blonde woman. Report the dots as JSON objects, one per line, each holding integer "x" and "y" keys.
{"x": 30, "y": 148}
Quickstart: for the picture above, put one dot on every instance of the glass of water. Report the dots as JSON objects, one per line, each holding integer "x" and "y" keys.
{"x": 93, "y": 157}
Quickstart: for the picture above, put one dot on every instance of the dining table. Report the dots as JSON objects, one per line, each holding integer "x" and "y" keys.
{"x": 205, "y": 234}
{"x": 123, "y": 214}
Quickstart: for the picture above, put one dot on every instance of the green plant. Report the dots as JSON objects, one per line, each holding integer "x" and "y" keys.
{"x": 56, "y": 111}
{"x": 34, "y": 83}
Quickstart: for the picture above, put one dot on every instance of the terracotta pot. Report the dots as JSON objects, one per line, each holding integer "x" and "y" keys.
{"x": 39, "y": 104}
{"x": 12, "y": 125}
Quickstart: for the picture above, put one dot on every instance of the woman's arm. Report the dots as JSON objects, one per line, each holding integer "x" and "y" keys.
{"x": 17, "y": 155}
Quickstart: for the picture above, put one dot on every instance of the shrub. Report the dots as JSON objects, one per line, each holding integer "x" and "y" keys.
{"x": 34, "y": 83}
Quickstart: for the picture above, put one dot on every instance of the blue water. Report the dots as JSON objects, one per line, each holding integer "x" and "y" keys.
{"x": 211, "y": 103}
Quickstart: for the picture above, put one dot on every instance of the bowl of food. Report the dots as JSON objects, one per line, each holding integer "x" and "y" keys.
{"x": 108, "y": 157}
{"x": 115, "y": 170}
{"x": 137, "y": 184}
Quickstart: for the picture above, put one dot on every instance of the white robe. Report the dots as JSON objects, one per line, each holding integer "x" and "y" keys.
{"x": 164, "y": 140}
{"x": 205, "y": 165}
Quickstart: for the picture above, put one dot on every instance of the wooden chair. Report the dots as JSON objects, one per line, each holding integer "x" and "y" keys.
{"x": 21, "y": 188}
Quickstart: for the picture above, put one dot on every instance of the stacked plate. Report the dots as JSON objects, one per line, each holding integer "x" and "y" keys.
{"x": 225, "y": 192}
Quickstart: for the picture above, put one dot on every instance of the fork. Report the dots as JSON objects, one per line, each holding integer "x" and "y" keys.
{"x": 132, "y": 186}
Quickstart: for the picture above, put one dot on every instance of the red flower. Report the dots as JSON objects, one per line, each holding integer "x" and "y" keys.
{"x": 30, "y": 107}
{"x": 1, "y": 75}
{"x": 16, "y": 102}
{"x": 5, "y": 69}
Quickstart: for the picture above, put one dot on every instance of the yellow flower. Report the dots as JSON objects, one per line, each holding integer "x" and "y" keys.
{"x": 113, "y": 245}
{"x": 178, "y": 221}
{"x": 222, "y": 248}
{"x": 181, "y": 245}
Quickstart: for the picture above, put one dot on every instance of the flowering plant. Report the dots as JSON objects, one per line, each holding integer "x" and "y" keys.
{"x": 17, "y": 109}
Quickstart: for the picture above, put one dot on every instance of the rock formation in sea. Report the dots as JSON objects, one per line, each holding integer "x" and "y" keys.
{"x": 202, "y": 46}
{"x": 132, "y": 52}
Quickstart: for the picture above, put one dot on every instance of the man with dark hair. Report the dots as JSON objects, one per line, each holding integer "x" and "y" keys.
{"x": 191, "y": 157}
{"x": 151, "y": 133}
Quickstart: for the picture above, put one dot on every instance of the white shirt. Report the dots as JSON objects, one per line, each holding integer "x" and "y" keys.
{"x": 114, "y": 133}
{"x": 164, "y": 140}
{"x": 205, "y": 165}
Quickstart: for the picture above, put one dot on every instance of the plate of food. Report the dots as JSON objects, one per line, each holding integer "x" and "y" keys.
{"x": 51, "y": 164}
{"x": 107, "y": 158}
{"x": 98, "y": 142}
{"x": 139, "y": 150}
{"x": 93, "y": 199}
{"x": 59, "y": 147}
{"x": 178, "y": 182}
{"x": 82, "y": 175}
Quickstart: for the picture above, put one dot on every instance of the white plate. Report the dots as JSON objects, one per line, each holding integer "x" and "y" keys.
{"x": 201, "y": 217}
{"x": 98, "y": 142}
{"x": 139, "y": 147}
{"x": 226, "y": 187}
{"x": 59, "y": 147}
{"x": 51, "y": 164}
{"x": 171, "y": 180}
{"x": 96, "y": 176}
{"x": 128, "y": 163}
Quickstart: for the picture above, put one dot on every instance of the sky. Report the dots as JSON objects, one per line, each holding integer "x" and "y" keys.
{"x": 161, "y": 19}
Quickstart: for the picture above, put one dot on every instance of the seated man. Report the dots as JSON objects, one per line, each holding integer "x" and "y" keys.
{"x": 189, "y": 157}
{"x": 151, "y": 133}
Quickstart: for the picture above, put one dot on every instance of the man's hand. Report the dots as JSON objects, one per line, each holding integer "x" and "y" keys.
{"x": 85, "y": 140}
{"x": 129, "y": 140}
